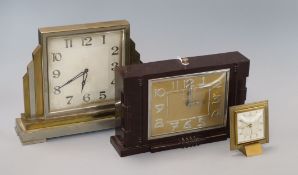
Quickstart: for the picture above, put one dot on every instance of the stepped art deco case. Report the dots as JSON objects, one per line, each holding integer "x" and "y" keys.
{"x": 177, "y": 103}
{"x": 69, "y": 84}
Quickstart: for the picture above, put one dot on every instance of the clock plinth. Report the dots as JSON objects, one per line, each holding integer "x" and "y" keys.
{"x": 39, "y": 131}
{"x": 174, "y": 143}
{"x": 253, "y": 149}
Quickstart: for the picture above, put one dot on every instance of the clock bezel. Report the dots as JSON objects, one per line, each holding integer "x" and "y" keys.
{"x": 227, "y": 78}
{"x": 60, "y": 31}
{"x": 235, "y": 110}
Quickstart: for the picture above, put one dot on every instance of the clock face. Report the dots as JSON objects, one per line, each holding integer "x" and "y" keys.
{"x": 81, "y": 68}
{"x": 250, "y": 126}
{"x": 187, "y": 103}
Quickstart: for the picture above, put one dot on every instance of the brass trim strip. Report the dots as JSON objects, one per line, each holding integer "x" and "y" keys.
{"x": 26, "y": 95}
{"x": 67, "y": 28}
{"x": 38, "y": 81}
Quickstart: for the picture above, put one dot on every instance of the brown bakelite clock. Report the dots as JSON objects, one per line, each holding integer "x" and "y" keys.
{"x": 177, "y": 103}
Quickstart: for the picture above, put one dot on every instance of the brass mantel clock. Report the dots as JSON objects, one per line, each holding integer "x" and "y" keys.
{"x": 69, "y": 85}
{"x": 249, "y": 127}
{"x": 177, "y": 103}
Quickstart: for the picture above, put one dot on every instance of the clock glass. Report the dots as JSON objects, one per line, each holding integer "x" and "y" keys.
{"x": 187, "y": 103}
{"x": 250, "y": 126}
{"x": 80, "y": 69}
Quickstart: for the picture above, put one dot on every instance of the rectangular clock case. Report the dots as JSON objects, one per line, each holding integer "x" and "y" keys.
{"x": 131, "y": 136}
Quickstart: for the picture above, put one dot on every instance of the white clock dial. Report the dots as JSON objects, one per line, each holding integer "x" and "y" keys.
{"x": 250, "y": 126}
{"x": 81, "y": 69}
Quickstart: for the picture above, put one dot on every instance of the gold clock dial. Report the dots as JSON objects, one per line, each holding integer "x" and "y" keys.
{"x": 185, "y": 103}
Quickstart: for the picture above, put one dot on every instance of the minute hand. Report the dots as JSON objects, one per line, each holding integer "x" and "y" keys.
{"x": 74, "y": 78}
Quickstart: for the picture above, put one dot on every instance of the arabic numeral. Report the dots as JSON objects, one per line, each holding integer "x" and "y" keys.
{"x": 102, "y": 95}
{"x": 115, "y": 50}
{"x": 114, "y": 65}
{"x": 56, "y": 73}
{"x": 86, "y": 98}
{"x": 57, "y": 90}
{"x": 68, "y": 43}
{"x": 56, "y": 56}
{"x": 69, "y": 98}
{"x": 103, "y": 39}
{"x": 87, "y": 41}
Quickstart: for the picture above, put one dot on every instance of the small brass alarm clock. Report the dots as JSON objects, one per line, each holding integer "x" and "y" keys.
{"x": 69, "y": 85}
{"x": 249, "y": 127}
{"x": 177, "y": 103}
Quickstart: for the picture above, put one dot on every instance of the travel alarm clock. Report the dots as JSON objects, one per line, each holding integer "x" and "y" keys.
{"x": 177, "y": 103}
{"x": 249, "y": 127}
{"x": 69, "y": 85}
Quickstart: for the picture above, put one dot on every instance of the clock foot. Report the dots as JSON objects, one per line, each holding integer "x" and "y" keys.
{"x": 252, "y": 149}
{"x": 126, "y": 151}
{"x": 27, "y": 138}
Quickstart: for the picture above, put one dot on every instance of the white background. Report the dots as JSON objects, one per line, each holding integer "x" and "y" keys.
{"x": 264, "y": 31}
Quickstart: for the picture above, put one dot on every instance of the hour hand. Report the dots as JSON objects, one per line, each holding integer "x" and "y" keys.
{"x": 189, "y": 101}
{"x": 85, "y": 75}
{"x": 244, "y": 122}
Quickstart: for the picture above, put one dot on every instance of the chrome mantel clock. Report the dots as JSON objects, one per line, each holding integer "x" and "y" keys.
{"x": 69, "y": 85}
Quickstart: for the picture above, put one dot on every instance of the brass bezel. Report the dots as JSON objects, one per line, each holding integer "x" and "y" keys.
{"x": 234, "y": 110}
{"x": 44, "y": 33}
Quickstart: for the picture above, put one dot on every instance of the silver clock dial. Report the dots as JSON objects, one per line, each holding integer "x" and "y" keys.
{"x": 250, "y": 126}
{"x": 81, "y": 69}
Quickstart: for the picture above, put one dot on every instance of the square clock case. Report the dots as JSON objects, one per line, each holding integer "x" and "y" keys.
{"x": 177, "y": 103}
{"x": 249, "y": 127}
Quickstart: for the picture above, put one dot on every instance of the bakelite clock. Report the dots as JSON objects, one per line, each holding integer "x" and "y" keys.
{"x": 177, "y": 103}
{"x": 69, "y": 85}
{"x": 249, "y": 127}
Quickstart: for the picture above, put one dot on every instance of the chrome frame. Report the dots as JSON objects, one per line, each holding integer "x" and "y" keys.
{"x": 45, "y": 33}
